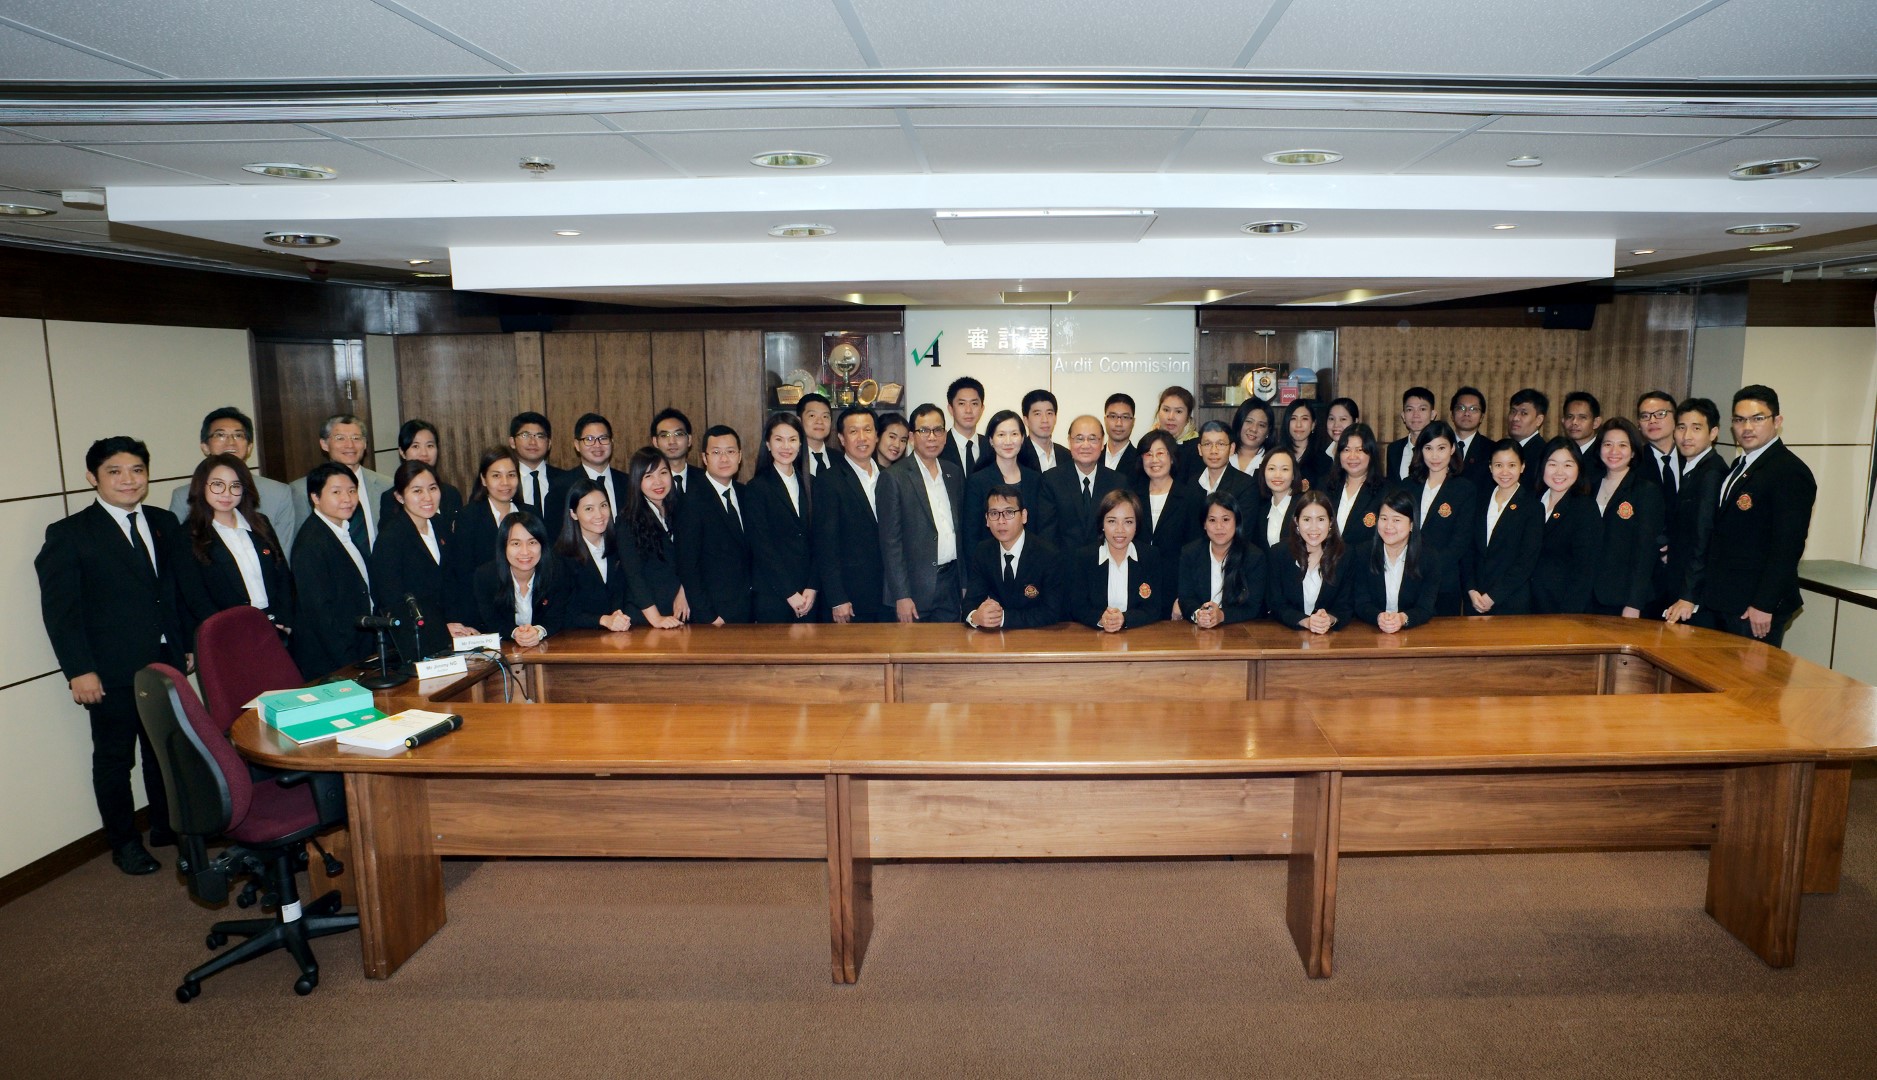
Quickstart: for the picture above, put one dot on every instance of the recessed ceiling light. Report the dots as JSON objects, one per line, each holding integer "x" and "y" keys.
{"x": 535, "y": 165}
{"x": 418, "y": 262}
{"x": 1861, "y": 270}
{"x": 8, "y": 209}
{"x": 1643, "y": 251}
{"x": 1771, "y": 247}
{"x": 1525, "y": 161}
{"x": 425, "y": 275}
{"x": 1761, "y": 230}
{"x": 566, "y": 232}
{"x": 1272, "y": 228}
{"x": 1302, "y": 157}
{"x": 291, "y": 170}
{"x": 1765, "y": 170}
{"x": 1622, "y": 270}
{"x": 300, "y": 240}
{"x": 1504, "y": 225}
{"x": 790, "y": 159}
{"x": 798, "y": 232}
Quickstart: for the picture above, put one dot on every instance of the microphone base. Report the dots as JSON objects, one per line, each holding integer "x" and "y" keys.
{"x": 383, "y": 680}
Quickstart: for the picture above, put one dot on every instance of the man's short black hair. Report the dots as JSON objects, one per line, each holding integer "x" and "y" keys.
{"x": 1420, "y": 392}
{"x": 1035, "y": 397}
{"x": 1004, "y": 491}
{"x": 105, "y": 449}
{"x": 1123, "y": 399}
{"x": 840, "y": 422}
{"x": 810, "y": 399}
{"x": 1757, "y": 392}
{"x": 1585, "y": 396}
{"x": 668, "y": 414}
{"x": 1535, "y": 398}
{"x": 1655, "y": 395}
{"x": 227, "y": 412}
{"x": 589, "y": 419}
{"x": 926, "y": 407}
{"x": 523, "y": 419}
{"x": 718, "y": 431}
{"x": 1453, "y": 403}
{"x": 1708, "y": 410}
{"x": 316, "y": 480}
{"x": 964, "y": 382}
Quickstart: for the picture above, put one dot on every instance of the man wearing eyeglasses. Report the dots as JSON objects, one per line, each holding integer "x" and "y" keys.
{"x": 343, "y": 440}
{"x": 531, "y": 436}
{"x": 1760, "y": 524}
{"x": 921, "y": 500}
{"x": 1015, "y": 577}
{"x": 713, "y": 536}
{"x": 671, "y": 436}
{"x": 1466, "y": 410}
{"x": 228, "y": 430}
{"x": 1117, "y": 418}
{"x": 1655, "y": 415}
{"x": 593, "y": 441}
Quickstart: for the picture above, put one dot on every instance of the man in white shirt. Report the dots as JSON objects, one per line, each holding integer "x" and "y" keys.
{"x": 593, "y": 439}
{"x": 920, "y": 501}
{"x": 1466, "y": 410}
{"x": 531, "y": 436}
{"x": 1655, "y": 415}
{"x": 848, "y": 565}
{"x": 1417, "y": 411}
{"x": 1040, "y": 451}
{"x": 1118, "y": 422}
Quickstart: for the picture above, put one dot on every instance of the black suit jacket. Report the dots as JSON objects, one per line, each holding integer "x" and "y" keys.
{"x": 651, "y": 581}
{"x": 1283, "y": 590}
{"x": 557, "y": 481}
{"x": 1034, "y": 598}
{"x": 471, "y": 545}
{"x": 971, "y": 526}
{"x": 495, "y": 599}
{"x": 1314, "y": 467}
{"x": 589, "y": 597}
{"x": 909, "y": 533}
{"x": 332, "y": 597}
{"x": 1632, "y": 527}
{"x": 1447, "y": 534}
{"x": 1258, "y": 511}
{"x": 1533, "y": 453}
{"x": 1088, "y": 587}
{"x": 401, "y": 566}
{"x": 1240, "y": 486}
{"x": 1478, "y": 462}
{"x": 1359, "y": 527}
{"x": 848, "y": 566}
{"x": 104, "y": 609}
{"x": 1068, "y": 521}
{"x": 449, "y": 504}
{"x": 1590, "y": 464}
{"x": 1418, "y": 598}
{"x": 1179, "y": 520}
{"x": 217, "y": 585}
{"x": 982, "y": 460}
{"x": 1030, "y": 459}
{"x": 1690, "y": 528}
{"x": 781, "y": 548}
{"x": 714, "y": 555}
{"x": 1196, "y": 582}
{"x": 1396, "y": 451}
{"x": 1568, "y": 557}
{"x": 1128, "y": 465}
{"x": 1759, "y": 534}
{"x": 1502, "y": 567}
{"x": 562, "y": 486}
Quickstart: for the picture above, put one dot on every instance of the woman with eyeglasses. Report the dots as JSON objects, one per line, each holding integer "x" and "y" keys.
{"x": 407, "y": 577}
{"x": 229, "y": 554}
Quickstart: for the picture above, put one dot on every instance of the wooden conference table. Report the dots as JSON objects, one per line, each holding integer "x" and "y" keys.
{"x": 860, "y": 743}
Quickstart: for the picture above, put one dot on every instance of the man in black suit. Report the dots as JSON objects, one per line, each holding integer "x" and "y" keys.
{"x": 1760, "y": 524}
{"x": 1117, "y": 417}
{"x": 593, "y": 439}
{"x": 1067, "y": 518}
{"x": 671, "y": 436}
{"x": 531, "y": 436}
{"x": 108, "y": 597}
{"x": 966, "y": 448}
{"x": 1656, "y": 416}
{"x": 228, "y": 430}
{"x": 1039, "y": 417}
{"x": 1525, "y": 424}
{"x": 817, "y": 423}
{"x": 847, "y": 527}
{"x": 1581, "y": 416}
{"x": 1014, "y": 578}
{"x": 713, "y": 544}
{"x": 1466, "y": 410}
{"x": 1417, "y": 411}
{"x": 921, "y": 503}
{"x": 1691, "y": 514}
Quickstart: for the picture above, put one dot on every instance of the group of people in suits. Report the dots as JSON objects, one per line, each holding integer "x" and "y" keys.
{"x": 939, "y": 516}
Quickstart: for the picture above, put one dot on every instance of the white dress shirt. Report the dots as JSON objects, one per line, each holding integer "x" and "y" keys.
{"x": 1257, "y": 459}
{"x": 598, "y": 553}
{"x": 524, "y": 601}
{"x": 1344, "y": 504}
{"x": 1117, "y": 575}
{"x": 1274, "y": 521}
{"x": 1155, "y": 504}
{"x": 792, "y": 484}
{"x": 1392, "y": 570}
{"x": 1429, "y": 493}
{"x": 1312, "y": 588}
{"x": 604, "y": 478}
{"x": 939, "y": 498}
{"x": 239, "y": 540}
{"x": 1112, "y": 458}
{"x": 1750, "y": 457}
{"x": 1495, "y": 510}
{"x": 726, "y": 495}
{"x": 344, "y": 534}
{"x": 1045, "y": 454}
{"x": 122, "y": 517}
{"x": 1216, "y": 573}
{"x": 869, "y": 474}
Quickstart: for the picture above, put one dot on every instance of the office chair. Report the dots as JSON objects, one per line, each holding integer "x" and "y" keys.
{"x": 268, "y": 824}
{"x": 239, "y": 656}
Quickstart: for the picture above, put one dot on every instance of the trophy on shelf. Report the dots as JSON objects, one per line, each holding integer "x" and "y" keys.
{"x": 844, "y": 359}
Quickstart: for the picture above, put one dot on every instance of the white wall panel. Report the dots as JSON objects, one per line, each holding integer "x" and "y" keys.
{"x": 24, "y": 649}
{"x": 45, "y": 772}
{"x": 29, "y": 439}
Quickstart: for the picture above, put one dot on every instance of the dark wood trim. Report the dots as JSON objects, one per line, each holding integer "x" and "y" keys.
{"x": 61, "y": 861}
{"x": 434, "y": 311}
{"x": 1810, "y": 303}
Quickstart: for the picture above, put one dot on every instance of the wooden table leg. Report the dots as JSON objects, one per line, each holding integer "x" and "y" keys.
{"x": 396, "y": 871}
{"x": 1311, "y": 904}
{"x": 850, "y": 876}
{"x": 1824, "y": 837}
{"x": 1756, "y": 866}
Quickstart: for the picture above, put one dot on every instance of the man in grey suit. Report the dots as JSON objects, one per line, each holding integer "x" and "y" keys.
{"x": 920, "y": 502}
{"x": 342, "y": 437}
{"x": 228, "y": 430}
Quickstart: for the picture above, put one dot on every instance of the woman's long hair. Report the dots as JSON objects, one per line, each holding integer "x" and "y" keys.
{"x": 1245, "y": 410}
{"x": 1403, "y": 502}
{"x": 1437, "y": 429}
{"x": 1363, "y": 434}
{"x": 201, "y": 522}
{"x": 648, "y": 534}
{"x": 1332, "y": 544}
{"x": 1234, "y": 589}
{"x": 1314, "y": 444}
{"x": 572, "y": 543}
{"x": 544, "y": 575}
{"x": 1563, "y": 442}
{"x": 1264, "y": 486}
{"x": 489, "y": 457}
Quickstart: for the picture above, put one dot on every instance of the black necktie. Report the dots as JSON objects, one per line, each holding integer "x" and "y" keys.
{"x": 822, "y": 458}
{"x": 1088, "y": 489}
{"x": 1668, "y": 474}
{"x": 534, "y": 490}
{"x": 137, "y": 545}
{"x": 1010, "y": 568}
{"x": 677, "y": 483}
{"x": 971, "y": 454}
{"x": 730, "y": 508}
{"x": 1733, "y": 474}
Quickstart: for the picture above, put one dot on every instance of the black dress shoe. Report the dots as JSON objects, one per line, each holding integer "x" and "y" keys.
{"x": 162, "y": 838}
{"x": 131, "y": 857}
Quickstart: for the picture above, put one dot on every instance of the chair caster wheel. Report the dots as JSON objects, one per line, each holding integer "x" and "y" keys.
{"x": 187, "y": 992}
{"x": 305, "y": 984}
{"x": 216, "y": 941}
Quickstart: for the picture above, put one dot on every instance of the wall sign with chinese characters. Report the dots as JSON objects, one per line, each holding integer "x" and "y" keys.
{"x": 1008, "y": 340}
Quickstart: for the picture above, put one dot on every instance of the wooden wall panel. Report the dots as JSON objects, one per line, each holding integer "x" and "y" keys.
{"x": 624, "y": 381}
{"x": 733, "y": 364}
{"x": 570, "y": 378}
{"x": 678, "y": 381}
{"x": 1375, "y": 364}
{"x": 467, "y": 385}
{"x": 1639, "y": 343}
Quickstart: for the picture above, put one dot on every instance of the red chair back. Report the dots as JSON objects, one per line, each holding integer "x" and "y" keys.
{"x": 239, "y": 656}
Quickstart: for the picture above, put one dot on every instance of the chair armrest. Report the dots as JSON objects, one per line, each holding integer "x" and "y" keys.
{"x": 328, "y": 792}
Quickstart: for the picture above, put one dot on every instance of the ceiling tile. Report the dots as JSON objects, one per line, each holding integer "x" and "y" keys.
{"x": 1753, "y": 38}
{"x": 753, "y": 119}
{"x": 856, "y": 151}
{"x": 101, "y": 134}
{"x": 223, "y": 161}
{"x": 1060, "y": 33}
{"x": 575, "y": 157}
{"x": 1314, "y": 119}
{"x": 603, "y": 35}
{"x": 25, "y": 56}
{"x": 1797, "y": 128}
{"x": 1047, "y": 150}
{"x": 481, "y": 125}
{"x": 1229, "y": 150}
{"x": 1709, "y": 126}
{"x": 1841, "y": 157}
{"x": 50, "y": 166}
{"x": 1564, "y": 155}
{"x": 1092, "y": 117}
{"x": 1513, "y": 37}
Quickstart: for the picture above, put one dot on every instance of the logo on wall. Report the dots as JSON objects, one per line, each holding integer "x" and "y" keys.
{"x": 931, "y": 352}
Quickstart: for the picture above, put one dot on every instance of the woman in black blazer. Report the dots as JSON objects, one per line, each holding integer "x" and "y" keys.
{"x": 417, "y": 441}
{"x": 1397, "y": 544}
{"x": 1307, "y": 579}
{"x": 1508, "y": 527}
{"x": 1355, "y": 487}
{"x": 332, "y": 593}
{"x": 648, "y": 545}
{"x": 223, "y": 541}
{"x": 779, "y": 517}
{"x": 1254, "y": 432}
{"x": 408, "y": 559}
{"x": 1276, "y": 487}
{"x": 1573, "y": 535}
{"x": 524, "y": 567}
{"x": 1168, "y": 531}
{"x": 498, "y": 476}
{"x": 1307, "y": 444}
{"x": 596, "y": 586}
{"x": 1632, "y": 506}
{"x": 1445, "y": 504}
{"x": 1007, "y": 435}
{"x": 1148, "y": 594}
{"x": 1238, "y": 595}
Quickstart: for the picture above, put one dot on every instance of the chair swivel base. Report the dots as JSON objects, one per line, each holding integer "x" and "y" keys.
{"x": 266, "y": 935}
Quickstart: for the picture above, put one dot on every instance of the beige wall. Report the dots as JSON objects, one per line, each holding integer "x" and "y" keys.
{"x": 67, "y": 385}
